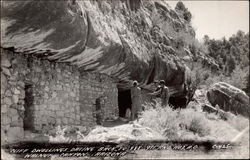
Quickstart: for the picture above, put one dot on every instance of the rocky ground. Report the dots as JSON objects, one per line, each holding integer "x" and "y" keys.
{"x": 137, "y": 132}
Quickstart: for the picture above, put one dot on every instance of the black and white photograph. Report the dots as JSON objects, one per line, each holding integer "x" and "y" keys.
{"x": 124, "y": 79}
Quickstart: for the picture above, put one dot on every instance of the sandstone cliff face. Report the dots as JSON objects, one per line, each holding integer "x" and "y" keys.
{"x": 126, "y": 39}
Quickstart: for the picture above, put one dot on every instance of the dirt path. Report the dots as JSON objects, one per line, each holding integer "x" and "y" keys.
{"x": 116, "y": 122}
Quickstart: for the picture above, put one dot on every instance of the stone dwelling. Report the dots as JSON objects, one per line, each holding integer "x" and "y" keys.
{"x": 72, "y": 62}
{"x": 38, "y": 95}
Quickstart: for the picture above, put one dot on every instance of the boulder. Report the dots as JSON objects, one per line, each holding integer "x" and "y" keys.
{"x": 229, "y": 98}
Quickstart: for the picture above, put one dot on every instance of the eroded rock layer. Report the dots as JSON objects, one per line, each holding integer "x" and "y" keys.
{"x": 128, "y": 40}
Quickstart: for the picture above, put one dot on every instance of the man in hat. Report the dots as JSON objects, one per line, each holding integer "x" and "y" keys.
{"x": 163, "y": 92}
{"x": 136, "y": 100}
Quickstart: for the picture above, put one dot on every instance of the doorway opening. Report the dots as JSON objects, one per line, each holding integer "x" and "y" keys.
{"x": 28, "y": 121}
{"x": 99, "y": 118}
{"x": 178, "y": 102}
{"x": 124, "y": 102}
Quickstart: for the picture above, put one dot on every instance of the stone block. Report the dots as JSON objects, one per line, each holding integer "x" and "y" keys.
{"x": 36, "y": 107}
{"x": 67, "y": 115}
{"x": 16, "y": 91}
{"x": 35, "y": 80}
{"x": 58, "y": 87}
{"x": 38, "y": 127}
{"x": 78, "y": 117}
{"x": 65, "y": 120}
{"x": 77, "y": 122}
{"x": 77, "y": 109}
{"x": 21, "y": 84}
{"x": 42, "y": 83}
{"x": 54, "y": 94}
{"x": 44, "y": 120}
{"x": 16, "y": 123}
{"x": 25, "y": 71}
{"x": 5, "y": 62}
{"x": 58, "y": 70}
{"x": 14, "y": 116}
{"x": 4, "y": 108}
{"x": 36, "y": 68}
{"x": 46, "y": 88}
{"x": 20, "y": 102}
{"x": 3, "y": 80}
{"x": 5, "y": 119}
{"x": 14, "y": 106}
{"x": 21, "y": 107}
{"x": 46, "y": 96}
{"x": 15, "y": 99}
{"x": 60, "y": 113}
{"x": 72, "y": 94}
{"x": 38, "y": 101}
{"x": 3, "y": 88}
{"x": 22, "y": 94}
{"x": 7, "y": 101}
{"x": 6, "y": 71}
{"x": 55, "y": 107}
{"x": 71, "y": 121}
{"x": 58, "y": 121}
{"x": 8, "y": 93}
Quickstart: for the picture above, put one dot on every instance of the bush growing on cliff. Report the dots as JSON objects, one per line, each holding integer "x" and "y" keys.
{"x": 180, "y": 6}
{"x": 186, "y": 14}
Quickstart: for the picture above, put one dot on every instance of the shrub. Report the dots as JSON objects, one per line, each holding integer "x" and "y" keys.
{"x": 171, "y": 123}
{"x": 239, "y": 77}
{"x": 180, "y": 6}
{"x": 189, "y": 124}
{"x": 195, "y": 122}
{"x": 159, "y": 119}
{"x": 187, "y": 16}
{"x": 197, "y": 126}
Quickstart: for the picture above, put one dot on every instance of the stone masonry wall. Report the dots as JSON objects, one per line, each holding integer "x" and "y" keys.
{"x": 55, "y": 94}
{"x": 59, "y": 95}
{"x": 93, "y": 87}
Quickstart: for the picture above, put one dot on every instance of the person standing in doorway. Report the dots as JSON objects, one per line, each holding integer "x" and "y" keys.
{"x": 163, "y": 92}
{"x": 136, "y": 101}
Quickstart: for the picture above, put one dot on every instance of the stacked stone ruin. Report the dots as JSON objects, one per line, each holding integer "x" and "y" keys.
{"x": 60, "y": 95}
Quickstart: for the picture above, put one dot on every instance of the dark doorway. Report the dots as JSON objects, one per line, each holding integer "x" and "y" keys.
{"x": 178, "y": 102}
{"x": 28, "y": 121}
{"x": 124, "y": 102}
{"x": 98, "y": 111}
